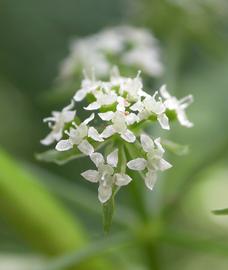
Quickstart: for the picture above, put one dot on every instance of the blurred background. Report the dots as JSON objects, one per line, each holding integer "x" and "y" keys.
{"x": 46, "y": 210}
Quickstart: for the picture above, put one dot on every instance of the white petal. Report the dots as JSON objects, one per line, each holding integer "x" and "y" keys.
{"x": 86, "y": 148}
{"x": 150, "y": 179}
{"x": 108, "y": 131}
{"x": 69, "y": 107}
{"x": 89, "y": 119}
{"x": 182, "y": 117}
{"x": 164, "y": 165}
{"x": 112, "y": 158}
{"x": 138, "y": 164}
{"x": 147, "y": 143}
{"x": 122, "y": 179}
{"x": 49, "y": 139}
{"x": 80, "y": 95}
{"x": 97, "y": 158}
{"x": 164, "y": 92}
{"x": 186, "y": 101}
{"x": 49, "y": 119}
{"x": 92, "y": 106}
{"x": 108, "y": 99}
{"x": 69, "y": 116}
{"x": 128, "y": 136}
{"x": 122, "y": 103}
{"x": 91, "y": 175}
{"x": 164, "y": 121}
{"x": 104, "y": 192}
{"x": 63, "y": 145}
{"x": 107, "y": 116}
{"x": 159, "y": 146}
{"x": 138, "y": 106}
{"x": 57, "y": 135}
{"x": 93, "y": 133}
{"x": 131, "y": 118}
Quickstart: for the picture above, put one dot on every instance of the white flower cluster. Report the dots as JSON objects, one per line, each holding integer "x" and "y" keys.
{"x": 119, "y": 107}
{"x": 124, "y": 46}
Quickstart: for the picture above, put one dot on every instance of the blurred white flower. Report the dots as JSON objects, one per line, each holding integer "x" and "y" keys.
{"x": 77, "y": 136}
{"x": 154, "y": 160}
{"x": 129, "y": 46}
{"x": 179, "y": 106}
{"x": 57, "y": 123}
{"x": 105, "y": 175}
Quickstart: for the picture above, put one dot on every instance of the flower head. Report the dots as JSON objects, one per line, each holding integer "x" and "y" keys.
{"x": 121, "y": 107}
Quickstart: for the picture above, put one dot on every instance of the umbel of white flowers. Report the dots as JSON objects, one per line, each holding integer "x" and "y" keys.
{"x": 120, "y": 108}
{"x": 131, "y": 47}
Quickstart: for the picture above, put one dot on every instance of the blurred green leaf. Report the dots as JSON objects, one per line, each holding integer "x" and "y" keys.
{"x": 37, "y": 215}
{"x": 195, "y": 242}
{"x": 90, "y": 251}
{"x": 220, "y": 211}
{"x": 59, "y": 158}
{"x": 63, "y": 157}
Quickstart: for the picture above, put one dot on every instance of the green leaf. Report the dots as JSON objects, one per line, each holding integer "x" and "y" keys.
{"x": 175, "y": 148}
{"x": 89, "y": 252}
{"x": 196, "y": 242}
{"x": 220, "y": 211}
{"x": 59, "y": 158}
{"x": 108, "y": 210}
{"x": 38, "y": 216}
{"x": 63, "y": 157}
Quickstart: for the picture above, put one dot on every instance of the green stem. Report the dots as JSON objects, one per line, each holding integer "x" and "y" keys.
{"x": 136, "y": 187}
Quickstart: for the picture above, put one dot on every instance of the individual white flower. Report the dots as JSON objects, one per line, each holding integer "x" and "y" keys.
{"x": 179, "y": 106}
{"x": 150, "y": 106}
{"x": 120, "y": 121}
{"x": 77, "y": 136}
{"x": 129, "y": 87}
{"x": 102, "y": 99}
{"x": 57, "y": 122}
{"x": 154, "y": 160}
{"x": 105, "y": 175}
{"x": 87, "y": 86}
